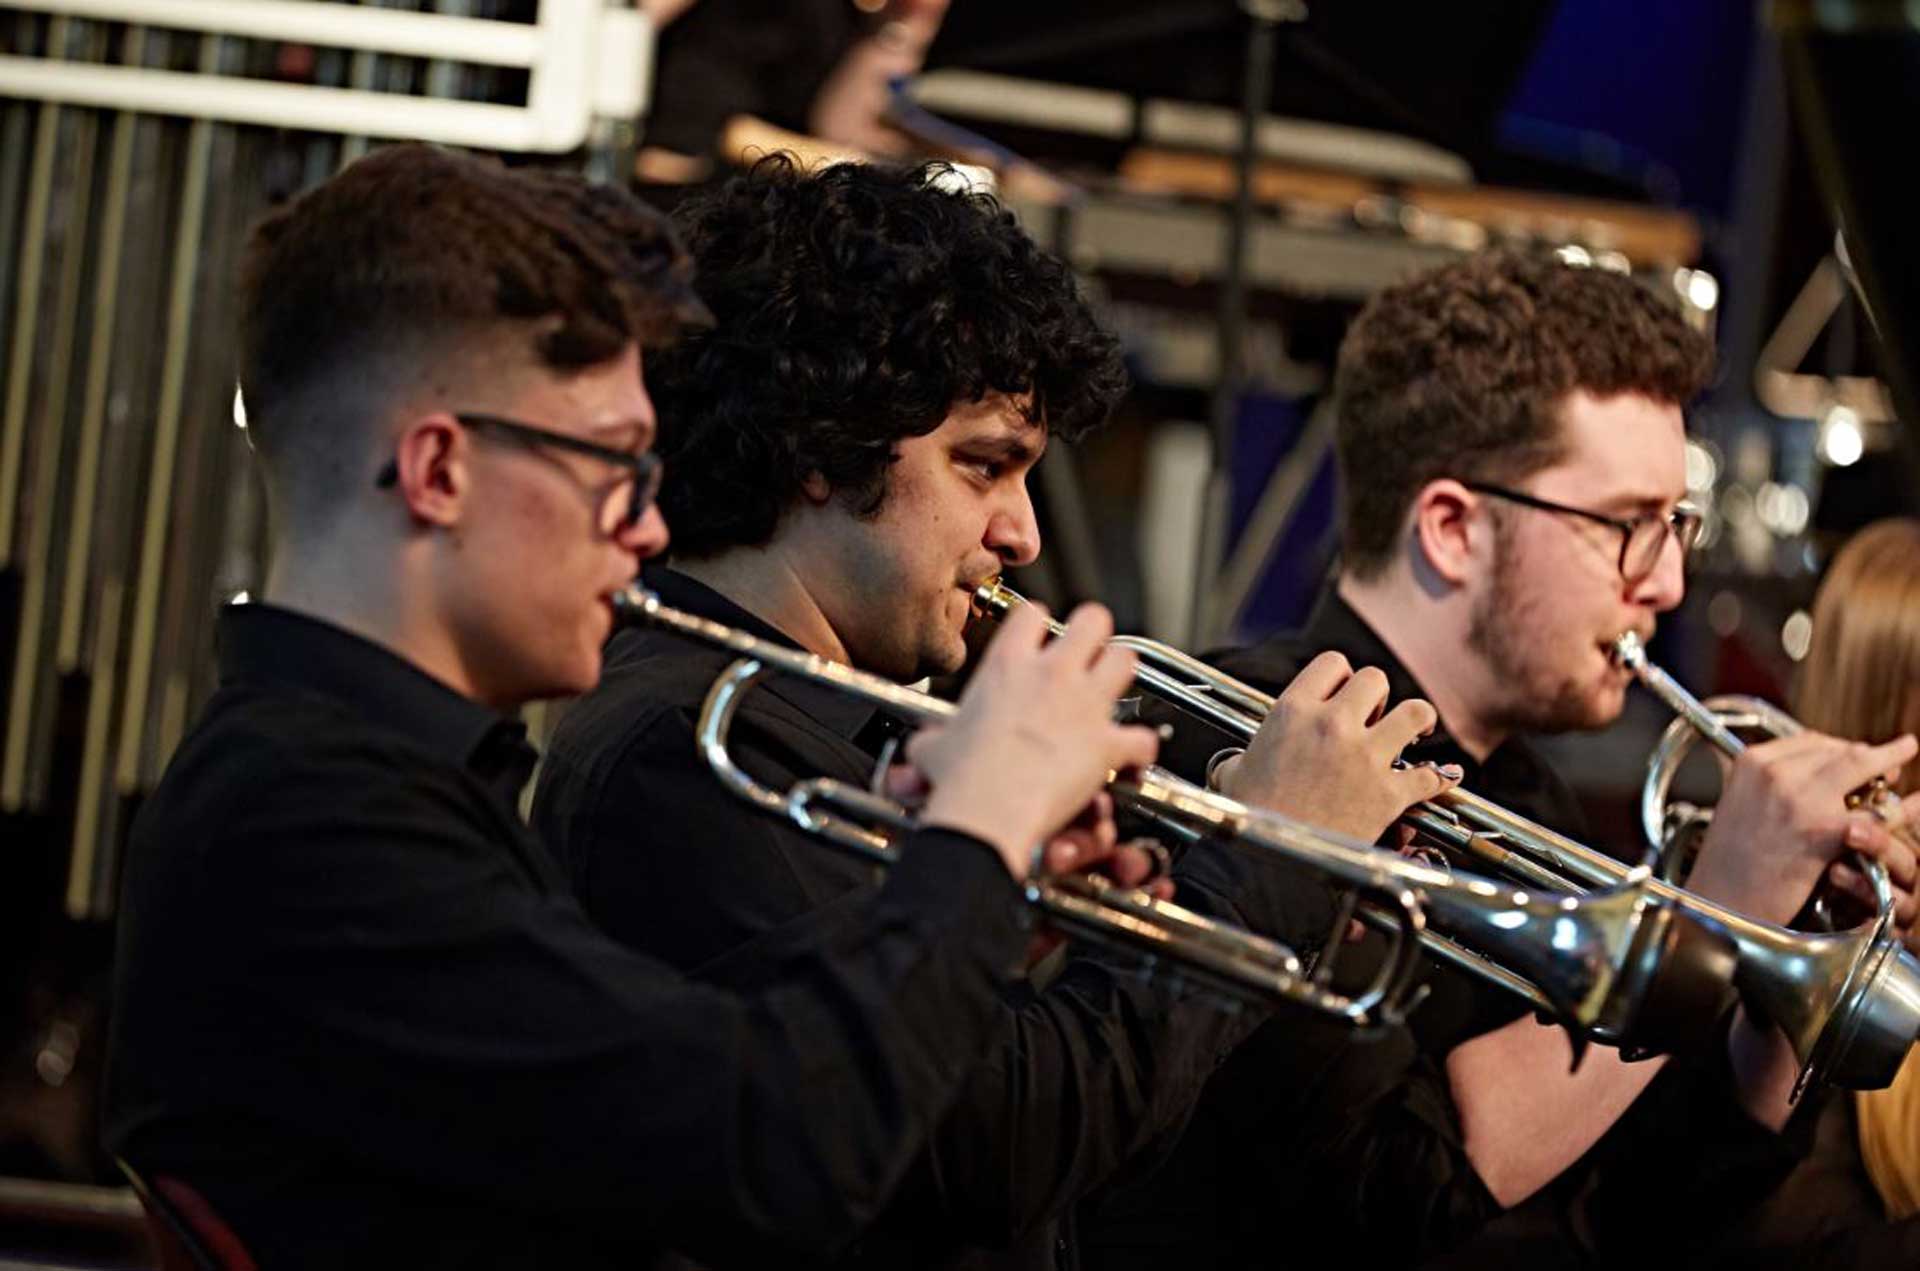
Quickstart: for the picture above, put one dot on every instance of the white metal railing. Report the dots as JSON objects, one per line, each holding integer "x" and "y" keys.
{"x": 587, "y": 60}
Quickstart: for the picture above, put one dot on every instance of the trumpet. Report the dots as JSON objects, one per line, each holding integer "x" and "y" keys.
{"x": 1852, "y": 1002}
{"x": 1608, "y": 959}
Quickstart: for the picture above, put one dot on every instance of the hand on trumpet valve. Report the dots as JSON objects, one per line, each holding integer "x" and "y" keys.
{"x": 1784, "y": 823}
{"x": 1325, "y": 753}
{"x": 1034, "y": 740}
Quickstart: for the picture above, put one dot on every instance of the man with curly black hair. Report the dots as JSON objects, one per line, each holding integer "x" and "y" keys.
{"x": 859, "y": 309}
{"x": 850, "y": 443}
{"x": 1511, "y": 453}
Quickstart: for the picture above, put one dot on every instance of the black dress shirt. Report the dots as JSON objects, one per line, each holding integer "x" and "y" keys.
{"x": 1086, "y": 1073}
{"x": 1305, "y": 1148}
{"x": 358, "y": 1008}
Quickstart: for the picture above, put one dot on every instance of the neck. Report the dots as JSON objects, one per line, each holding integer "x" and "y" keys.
{"x": 1427, "y": 631}
{"x": 370, "y": 593}
{"x": 765, "y": 582}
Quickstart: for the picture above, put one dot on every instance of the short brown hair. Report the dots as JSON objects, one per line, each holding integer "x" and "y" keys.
{"x": 1463, "y": 372}
{"x": 414, "y": 252}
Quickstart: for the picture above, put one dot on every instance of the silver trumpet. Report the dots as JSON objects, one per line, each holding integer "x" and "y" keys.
{"x": 1670, "y": 987}
{"x": 1848, "y": 1000}
{"x": 1587, "y": 960}
{"x": 1853, "y": 1035}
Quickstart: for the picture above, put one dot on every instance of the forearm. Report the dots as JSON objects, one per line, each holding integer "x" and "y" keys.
{"x": 1089, "y": 1075}
{"x": 1525, "y": 1116}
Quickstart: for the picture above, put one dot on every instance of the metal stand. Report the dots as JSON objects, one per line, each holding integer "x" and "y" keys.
{"x": 1263, "y": 37}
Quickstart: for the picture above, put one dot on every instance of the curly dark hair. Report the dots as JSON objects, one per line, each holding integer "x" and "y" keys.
{"x": 1463, "y": 372}
{"x": 414, "y": 253}
{"x": 855, "y": 307}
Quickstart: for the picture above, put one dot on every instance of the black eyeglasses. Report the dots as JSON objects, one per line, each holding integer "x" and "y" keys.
{"x": 1642, "y": 538}
{"x": 642, "y": 490}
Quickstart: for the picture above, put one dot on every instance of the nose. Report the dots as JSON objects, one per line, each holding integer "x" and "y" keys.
{"x": 1666, "y": 584}
{"x": 1013, "y": 531}
{"x": 646, "y": 537}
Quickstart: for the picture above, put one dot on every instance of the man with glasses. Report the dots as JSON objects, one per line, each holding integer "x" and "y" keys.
{"x": 356, "y": 1008}
{"x": 1512, "y": 465}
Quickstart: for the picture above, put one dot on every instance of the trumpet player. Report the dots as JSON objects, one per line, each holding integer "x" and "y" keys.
{"x": 851, "y": 441}
{"x": 1510, "y": 441}
{"x": 358, "y": 1013}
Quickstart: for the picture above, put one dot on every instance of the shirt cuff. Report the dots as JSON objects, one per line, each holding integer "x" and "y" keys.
{"x": 959, "y": 893}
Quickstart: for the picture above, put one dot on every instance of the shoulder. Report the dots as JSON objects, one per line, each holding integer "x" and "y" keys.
{"x": 279, "y": 802}
{"x": 255, "y": 751}
{"x": 1269, "y": 664}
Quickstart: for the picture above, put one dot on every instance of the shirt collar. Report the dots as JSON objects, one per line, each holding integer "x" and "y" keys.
{"x": 264, "y": 643}
{"x": 840, "y": 712}
{"x": 1333, "y": 624}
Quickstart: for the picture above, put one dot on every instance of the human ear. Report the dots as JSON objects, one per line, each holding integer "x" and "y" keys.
{"x": 1450, "y": 530}
{"x": 433, "y": 472}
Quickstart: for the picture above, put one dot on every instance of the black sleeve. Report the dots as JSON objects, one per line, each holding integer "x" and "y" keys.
{"x": 423, "y": 992}
{"x": 1312, "y": 1141}
{"x": 1084, "y": 1074}
{"x": 1688, "y": 1159}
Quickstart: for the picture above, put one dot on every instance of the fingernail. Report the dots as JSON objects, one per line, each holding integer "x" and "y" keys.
{"x": 1859, "y": 835}
{"x": 1452, "y": 771}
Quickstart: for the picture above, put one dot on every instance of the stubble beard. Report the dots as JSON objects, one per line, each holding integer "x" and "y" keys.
{"x": 1500, "y": 632}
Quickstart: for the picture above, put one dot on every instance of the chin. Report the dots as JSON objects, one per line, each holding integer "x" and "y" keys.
{"x": 1603, "y": 707}
{"x": 948, "y": 661}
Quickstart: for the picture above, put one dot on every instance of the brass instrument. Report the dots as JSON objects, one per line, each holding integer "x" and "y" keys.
{"x": 1590, "y": 960}
{"x": 1850, "y": 1000}
{"x": 1849, "y": 1004}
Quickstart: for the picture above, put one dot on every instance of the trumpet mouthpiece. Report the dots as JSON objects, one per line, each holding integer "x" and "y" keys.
{"x": 1629, "y": 651}
{"x": 994, "y": 599}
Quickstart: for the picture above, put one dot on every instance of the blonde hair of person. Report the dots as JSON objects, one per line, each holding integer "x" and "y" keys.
{"x": 1861, "y": 679}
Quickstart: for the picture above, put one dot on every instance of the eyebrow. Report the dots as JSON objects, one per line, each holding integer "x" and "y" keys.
{"x": 1008, "y": 446}
{"x": 636, "y": 432}
{"x": 1647, "y": 504}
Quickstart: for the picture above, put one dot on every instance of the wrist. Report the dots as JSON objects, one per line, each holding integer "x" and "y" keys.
{"x": 1765, "y": 1068}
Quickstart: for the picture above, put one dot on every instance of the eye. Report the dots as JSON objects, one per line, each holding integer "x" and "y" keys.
{"x": 987, "y": 469}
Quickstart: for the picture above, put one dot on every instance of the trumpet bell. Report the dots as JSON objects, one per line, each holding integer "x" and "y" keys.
{"x": 1849, "y": 1002}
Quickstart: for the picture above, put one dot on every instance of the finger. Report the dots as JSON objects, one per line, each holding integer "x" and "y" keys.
{"x": 1113, "y": 671}
{"x": 1318, "y": 680}
{"x": 1363, "y": 696}
{"x": 1858, "y": 763}
{"x": 1099, "y": 811}
{"x": 1089, "y": 627}
{"x": 906, "y": 784}
{"x": 1096, "y": 819}
{"x": 1405, "y": 724}
{"x": 1161, "y": 889}
{"x": 1130, "y": 746}
{"x": 1131, "y": 866}
{"x": 1417, "y": 783}
{"x": 1867, "y": 836}
{"x": 1856, "y": 884}
{"x": 1070, "y": 850}
{"x": 1895, "y": 812}
{"x": 1022, "y": 631}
